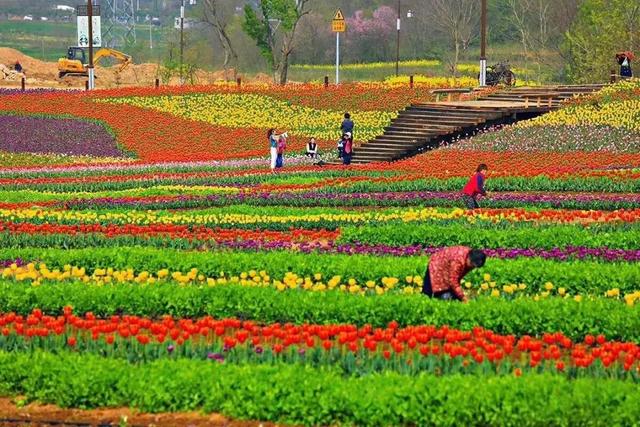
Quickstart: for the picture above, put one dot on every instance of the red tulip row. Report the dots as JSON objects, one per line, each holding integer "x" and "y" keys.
{"x": 476, "y": 346}
{"x": 172, "y": 231}
{"x": 451, "y": 162}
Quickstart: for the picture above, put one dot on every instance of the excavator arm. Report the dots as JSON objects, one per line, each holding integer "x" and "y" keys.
{"x": 122, "y": 58}
{"x": 74, "y": 64}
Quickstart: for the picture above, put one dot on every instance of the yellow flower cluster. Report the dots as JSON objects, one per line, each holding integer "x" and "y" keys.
{"x": 621, "y": 114}
{"x": 151, "y": 217}
{"x": 629, "y": 299}
{"x": 622, "y": 86}
{"x": 492, "y": 289}
{"x": 260, "y": 111}
{"x": 185, "y": 218}
{"x": 442, "y": 82}
{"x": 36, "y": 274}
{"x": 475, "y": 69}
{"x": 427, "y": 63}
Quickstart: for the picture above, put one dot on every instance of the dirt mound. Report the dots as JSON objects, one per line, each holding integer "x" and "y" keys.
{"x": 33, "y": 68}
{"x": 45, "y": 74}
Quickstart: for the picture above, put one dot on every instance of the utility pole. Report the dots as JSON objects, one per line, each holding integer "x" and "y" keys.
{"x": 90, "y": 70}
{"x": 483, "y": 44}
{"x": 398, "y": 41}
{"x": 181, "y": 42}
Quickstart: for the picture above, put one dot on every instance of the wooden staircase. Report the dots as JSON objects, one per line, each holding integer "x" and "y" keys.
{"x": 424, "y": 126}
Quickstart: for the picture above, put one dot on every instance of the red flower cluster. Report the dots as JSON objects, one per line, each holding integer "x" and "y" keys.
{"x": 476, "y": 346}
{"x": 451, "y": 163}
{"x": 171, "y": 231}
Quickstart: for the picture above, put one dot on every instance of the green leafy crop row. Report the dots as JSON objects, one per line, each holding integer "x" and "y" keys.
{"x": 520, "y": 316}
{"x": 585, "y": 277}
{"x": 301, "y": 395}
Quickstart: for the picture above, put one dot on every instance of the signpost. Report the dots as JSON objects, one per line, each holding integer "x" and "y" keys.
{"x": 83, "y": 26}
{"x": 89, "y": 34}
{"x": 338, "y": 25}
{"x": 483, "y": 44}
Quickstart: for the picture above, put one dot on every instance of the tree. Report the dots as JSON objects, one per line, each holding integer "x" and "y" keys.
{"x": 274, "y": 31}
{"x": 218, "y": 18}
{"x": 459, "y": 19}
{"x": 368, "y": 38}
{"x": 601, "y": 28}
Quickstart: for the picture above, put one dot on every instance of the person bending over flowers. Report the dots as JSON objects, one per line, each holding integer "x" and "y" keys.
{"x": 446, "y": 269}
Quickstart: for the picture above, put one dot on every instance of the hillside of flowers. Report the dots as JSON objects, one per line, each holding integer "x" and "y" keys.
{"x": 214, "y": 122}
{"x": 170, "y": 271}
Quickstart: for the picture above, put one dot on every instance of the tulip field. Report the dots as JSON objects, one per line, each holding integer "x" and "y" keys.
{"x": 150, "y": 259}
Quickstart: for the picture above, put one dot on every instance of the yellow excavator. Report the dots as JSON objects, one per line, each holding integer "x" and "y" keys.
{"x": 75, "y": 64}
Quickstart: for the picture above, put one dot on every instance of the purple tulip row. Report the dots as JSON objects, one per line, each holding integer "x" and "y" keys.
{"x": 410, "y": 197}
{"x": 39, "y": 91}
{"x": 22, "y": 134}
{"x": 570, "y": 252}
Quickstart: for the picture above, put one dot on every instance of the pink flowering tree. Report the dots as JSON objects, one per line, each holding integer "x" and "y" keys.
{"x": 370, "y": 37}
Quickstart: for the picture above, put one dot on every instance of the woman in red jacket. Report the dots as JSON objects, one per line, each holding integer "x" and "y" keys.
{"x": 474, "y": 187}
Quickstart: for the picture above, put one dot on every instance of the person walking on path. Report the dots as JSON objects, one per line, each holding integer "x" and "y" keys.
{"x": 446, "y": 269}
{"x": 347, "y": 124}
{"x": 475, "y": 187}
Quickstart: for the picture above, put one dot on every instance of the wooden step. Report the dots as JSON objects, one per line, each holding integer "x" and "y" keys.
{"x": 389, "y": 145}
{"x": 419, "y": 132}
{"x": 421, "y": 125}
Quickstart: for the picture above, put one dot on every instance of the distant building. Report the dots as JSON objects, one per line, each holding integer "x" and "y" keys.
{"x": 65, "y": 8}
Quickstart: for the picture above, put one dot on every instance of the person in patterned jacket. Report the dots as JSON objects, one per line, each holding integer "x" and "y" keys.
{"x": 445, "y": 270}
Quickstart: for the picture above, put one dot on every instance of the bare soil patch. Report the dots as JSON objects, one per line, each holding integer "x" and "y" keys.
{"x": 41, "y": 74}
{"x": 36, "y": 414}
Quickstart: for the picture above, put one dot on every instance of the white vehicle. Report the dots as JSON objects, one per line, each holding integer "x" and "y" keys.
{"x": 28, "y": 18}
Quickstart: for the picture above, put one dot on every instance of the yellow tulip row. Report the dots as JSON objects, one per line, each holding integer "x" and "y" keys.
{"x": 152, "y": 217}
{"x": 185, "y": 218}
{"x": 419, "y": 79}
{"x": 429, "y": 63}
{"x": 36, "y": 274}
{"x": 260, "y": 111}
{"x": 621, "y": 114}
{"x": 622, "y": 86}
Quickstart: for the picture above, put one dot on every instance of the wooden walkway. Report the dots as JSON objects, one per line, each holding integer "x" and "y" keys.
{"x": 424, "y": 126}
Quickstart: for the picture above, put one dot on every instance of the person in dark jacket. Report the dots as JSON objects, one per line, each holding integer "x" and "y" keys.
{"x": 475, "y": 187}
{"x": 347, "y": 124}
{"x": 624, "y": 59}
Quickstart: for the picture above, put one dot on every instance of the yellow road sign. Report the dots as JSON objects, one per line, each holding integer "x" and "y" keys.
{"x": 338, "y": 26}
{"x": 338, "y": 16}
